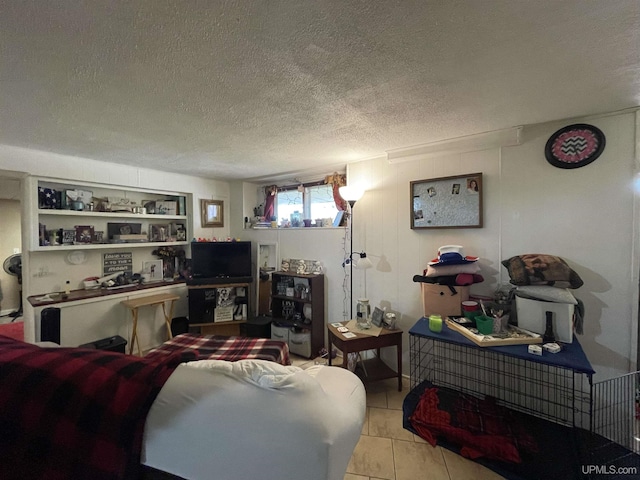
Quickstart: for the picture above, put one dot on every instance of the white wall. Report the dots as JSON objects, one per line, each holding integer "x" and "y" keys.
{"x": 584, "y": 215}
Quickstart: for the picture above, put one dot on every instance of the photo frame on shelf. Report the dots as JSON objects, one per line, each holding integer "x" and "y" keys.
{"x": 68, "y": 237}
{"x": 166, "y": 207}
{"x": 152, "y": 270}
{"x": 212, "y": 213}
{"x": 84, "y": 233}
{"x": 377, "y": 316}
{"x": 447, "y": 202}
{"x": 180, "y": 233}
{"x": 159, "y": 232}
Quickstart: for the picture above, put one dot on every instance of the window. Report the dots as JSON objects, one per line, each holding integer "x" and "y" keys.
{"x": 310, "y": 202}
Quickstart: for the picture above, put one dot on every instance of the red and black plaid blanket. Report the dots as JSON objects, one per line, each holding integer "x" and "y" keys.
{"x": 480, "y": 427}
{"x": 231, "y": 349}
{"x": 73, "y": 413}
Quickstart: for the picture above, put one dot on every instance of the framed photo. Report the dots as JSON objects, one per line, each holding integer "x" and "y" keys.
{"x": 447, "y": 202}
{"x": 166, "y": 207}
{"x": 159, "y": 232}
{"x": 376, "y": 317}
{"x": 68, "y": 237}
{"x": 84, "y": 233}
{"x": 181, "y": 233}
{"x": 339, "y": 220}
{"x": 152, "y": 270}
{"x": 212, "y": 212}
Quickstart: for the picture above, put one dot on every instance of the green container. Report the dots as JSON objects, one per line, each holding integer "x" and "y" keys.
{"x": 484, "y": 324}
{"x": 473, "y": 315}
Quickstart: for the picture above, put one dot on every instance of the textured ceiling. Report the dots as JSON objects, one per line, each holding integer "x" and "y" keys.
{"x": 245, "y": 89}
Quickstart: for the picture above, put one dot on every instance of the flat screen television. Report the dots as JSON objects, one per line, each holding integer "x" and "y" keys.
{"x": 219, "y": 262}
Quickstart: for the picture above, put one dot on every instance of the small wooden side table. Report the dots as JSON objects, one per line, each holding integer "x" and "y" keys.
{"x": 375, "y": 368}
{"x": 151, "y": 300}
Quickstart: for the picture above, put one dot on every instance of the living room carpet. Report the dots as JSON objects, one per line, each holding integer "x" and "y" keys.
{"x": 13, "y": 330}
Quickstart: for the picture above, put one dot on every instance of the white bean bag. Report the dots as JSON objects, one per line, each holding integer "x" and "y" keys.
{"x": 255, "y": 419}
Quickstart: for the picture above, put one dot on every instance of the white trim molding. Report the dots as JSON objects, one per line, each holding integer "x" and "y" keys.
{"x": 469, "y": 143}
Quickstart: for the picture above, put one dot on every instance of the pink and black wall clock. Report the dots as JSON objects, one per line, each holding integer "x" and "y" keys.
{"x": 574, "y": 146}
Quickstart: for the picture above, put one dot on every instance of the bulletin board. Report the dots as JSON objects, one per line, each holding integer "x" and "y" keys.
{"x": 447, "y": 202}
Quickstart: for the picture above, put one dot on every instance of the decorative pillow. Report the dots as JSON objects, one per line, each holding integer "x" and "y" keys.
{"x": 541, "y": 269}
{"x": 547, "y": 293}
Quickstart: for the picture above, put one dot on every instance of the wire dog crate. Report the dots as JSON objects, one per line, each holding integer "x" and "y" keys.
{"x": 559, "y": 391}
{"x": 559, "y": 388}
{"x": 614, "y": 444}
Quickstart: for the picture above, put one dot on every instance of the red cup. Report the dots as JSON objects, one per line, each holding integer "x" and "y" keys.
{"x": 469, "y": 306}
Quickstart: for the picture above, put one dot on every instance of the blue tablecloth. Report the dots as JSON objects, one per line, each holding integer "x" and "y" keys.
{"x": 572, "y": 356}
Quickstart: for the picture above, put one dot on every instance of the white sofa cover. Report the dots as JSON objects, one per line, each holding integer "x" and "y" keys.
{"x": 250, "y": 419}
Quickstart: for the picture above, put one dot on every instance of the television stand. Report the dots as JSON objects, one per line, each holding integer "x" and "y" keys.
{"x": 219, "y": 308}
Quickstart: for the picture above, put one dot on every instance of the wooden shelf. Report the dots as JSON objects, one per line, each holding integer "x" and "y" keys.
{"x": 93, "y": 213}
{"x": 374, "y": 369}
{"x": 291, "y": 299}
{"x": 103, "y": 246}
{"x": 316, "y": 325}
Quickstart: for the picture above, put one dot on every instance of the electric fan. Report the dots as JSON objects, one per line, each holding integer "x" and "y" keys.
{"x": 13, "y": 266}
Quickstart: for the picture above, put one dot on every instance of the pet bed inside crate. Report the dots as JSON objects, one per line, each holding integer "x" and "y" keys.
{"x": 514, "y": 444}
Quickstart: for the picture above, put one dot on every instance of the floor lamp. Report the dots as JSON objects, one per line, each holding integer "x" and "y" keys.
{"x": 351, "y": 195}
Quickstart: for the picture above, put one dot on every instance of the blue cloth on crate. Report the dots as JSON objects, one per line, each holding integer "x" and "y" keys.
{"x": 572, "y": 356}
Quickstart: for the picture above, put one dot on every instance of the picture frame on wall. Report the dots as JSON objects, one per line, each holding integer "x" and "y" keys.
{"x": 447, "y": 202}
{"x": 212, "y": 213}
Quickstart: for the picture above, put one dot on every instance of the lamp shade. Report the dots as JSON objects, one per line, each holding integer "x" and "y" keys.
{"x": 351, "y": 194}
{"x": 363, "y": 263}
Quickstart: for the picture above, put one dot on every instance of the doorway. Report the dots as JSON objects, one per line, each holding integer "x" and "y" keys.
{"x": 10, "y": 250}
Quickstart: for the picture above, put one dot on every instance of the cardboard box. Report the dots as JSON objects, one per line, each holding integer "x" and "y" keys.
{"x": 443, "y": 299}
{"x": 532, "y": 317}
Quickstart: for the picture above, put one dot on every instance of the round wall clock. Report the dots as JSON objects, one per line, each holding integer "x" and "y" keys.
{"x": 574, "y": 146}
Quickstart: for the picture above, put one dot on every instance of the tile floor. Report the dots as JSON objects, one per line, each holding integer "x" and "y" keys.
{"x": 388, "y": 451}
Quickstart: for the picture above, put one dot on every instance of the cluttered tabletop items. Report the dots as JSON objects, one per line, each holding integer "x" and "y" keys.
{"x": 535, "y": 309}
{"x": 98, "y": 291}
{"x": 366, "y": 323}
